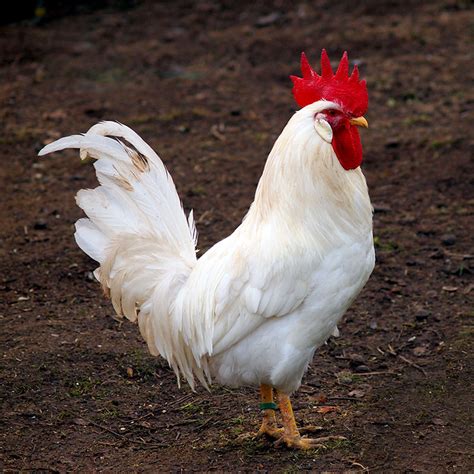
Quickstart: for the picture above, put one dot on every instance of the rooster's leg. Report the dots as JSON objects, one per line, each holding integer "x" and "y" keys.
{"x": 291, "y": 436}
{"x": 269, "y": 426}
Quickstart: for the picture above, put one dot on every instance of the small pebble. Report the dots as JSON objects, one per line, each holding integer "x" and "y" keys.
{"x": 40, "y": 225}
{"x": 382, "y": 208}
{"x": 419, "y": 351}
{"x": 422, "y": 315}
{"x": 392, "y": 143}
{"x": 356, "y": 393}
{"x": 268, "y": 20}
{"x": 90, "y": 276}
{"x": 448, "y": 239}
{"x": 356, "y": 359}
{"x": 183, "y": 129}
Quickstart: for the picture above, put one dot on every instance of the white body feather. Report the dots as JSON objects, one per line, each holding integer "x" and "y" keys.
{"x": 255, "y": 307}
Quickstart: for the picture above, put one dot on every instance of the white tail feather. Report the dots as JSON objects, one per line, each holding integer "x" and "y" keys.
{"x": 90, "y": 239}
{"x": 137, "y": 230}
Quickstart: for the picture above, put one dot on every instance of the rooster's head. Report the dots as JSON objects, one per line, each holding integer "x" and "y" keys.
{"x": 347, "y": 102}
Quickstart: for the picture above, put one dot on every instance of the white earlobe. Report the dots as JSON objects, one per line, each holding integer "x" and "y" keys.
{"x": 324, "y": 129}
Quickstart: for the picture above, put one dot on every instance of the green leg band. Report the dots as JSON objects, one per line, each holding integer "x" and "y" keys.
{"x": 268, "y": 406}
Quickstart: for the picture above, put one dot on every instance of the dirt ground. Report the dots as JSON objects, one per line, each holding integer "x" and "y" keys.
{"x": 206, "y": 84}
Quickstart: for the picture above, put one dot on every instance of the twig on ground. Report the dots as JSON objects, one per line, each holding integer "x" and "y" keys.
{"x": 352, "y": 399}
{"x": 391, "y": 350}
{"x": 358, "y": 464}
{"x": 185, "y": 398}
{"x": 203, "y": 424}
{"x": 412, "y": 364}
{"x": 365, "y": 374}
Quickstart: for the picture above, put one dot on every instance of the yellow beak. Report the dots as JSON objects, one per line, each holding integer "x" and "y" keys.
{"x": 360, "y": 122}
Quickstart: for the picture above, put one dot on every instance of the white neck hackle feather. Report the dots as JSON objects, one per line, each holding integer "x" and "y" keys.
{"x": 304, "y": 187}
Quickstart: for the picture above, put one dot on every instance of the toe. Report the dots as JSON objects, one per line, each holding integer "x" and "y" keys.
{"x": 271, "y": 432}
{"x": 298, "y": 442}
{"x": 313, "y": 443}
{"x": 324, "y": 439}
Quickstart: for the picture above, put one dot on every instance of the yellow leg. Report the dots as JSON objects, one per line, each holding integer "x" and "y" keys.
{"x": 269, "y": 426}
{"x": 291, "y": 436}
{"x": 286, "y": 410}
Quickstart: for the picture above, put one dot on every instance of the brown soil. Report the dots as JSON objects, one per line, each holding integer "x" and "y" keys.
{"x": 207, "y": 85}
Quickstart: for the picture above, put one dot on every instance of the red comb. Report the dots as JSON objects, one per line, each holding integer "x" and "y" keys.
{"x": 345, "y": 90}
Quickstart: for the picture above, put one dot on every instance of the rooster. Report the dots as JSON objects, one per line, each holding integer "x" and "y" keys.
{"x": 254, "y": 308}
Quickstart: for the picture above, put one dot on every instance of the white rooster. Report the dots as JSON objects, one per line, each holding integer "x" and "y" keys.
{"x": 255, "y": 307}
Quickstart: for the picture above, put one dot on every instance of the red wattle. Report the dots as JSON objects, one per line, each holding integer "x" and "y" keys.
{"x": 347, "y": 146}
